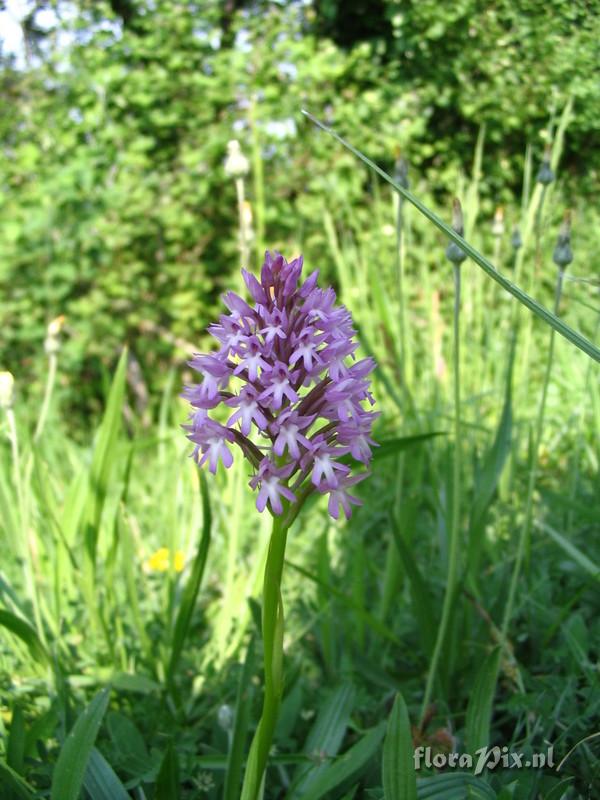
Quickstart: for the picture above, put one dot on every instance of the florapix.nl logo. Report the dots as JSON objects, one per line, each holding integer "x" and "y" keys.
{"x": 489, "y": 758}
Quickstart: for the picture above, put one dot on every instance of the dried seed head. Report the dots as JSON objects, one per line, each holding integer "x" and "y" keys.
{"x": 7, "y": 390}
{"x": 545, "y": 174}
{"x": 401, "y": 173}
{"x": 516, "y": 240}
{"x": 563, "y": 255}
{"x": 236, "y": 164}
{"x": 454, "y": 253}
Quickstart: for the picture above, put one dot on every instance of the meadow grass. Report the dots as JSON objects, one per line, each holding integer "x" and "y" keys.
{"x": 480, "y": 515}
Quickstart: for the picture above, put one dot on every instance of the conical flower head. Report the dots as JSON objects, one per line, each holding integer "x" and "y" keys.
{"x": 297, "y": 402}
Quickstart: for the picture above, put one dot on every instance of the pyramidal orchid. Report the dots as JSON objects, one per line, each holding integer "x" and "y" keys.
{"x": 297, "y": 400}
{"x": 283, "y": 389}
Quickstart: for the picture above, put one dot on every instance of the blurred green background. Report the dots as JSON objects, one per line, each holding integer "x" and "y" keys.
{"x": 115, "y": 208}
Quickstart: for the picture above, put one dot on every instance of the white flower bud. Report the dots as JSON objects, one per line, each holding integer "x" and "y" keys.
{"x": 7, "y": 386}
{"x": 236, "y": 163}
{"x": 498, "y": 224}
{"x": 52, "y": 342}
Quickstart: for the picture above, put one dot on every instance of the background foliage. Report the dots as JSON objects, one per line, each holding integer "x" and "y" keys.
{"x": 121, "y": 568}
{"x": 115, "y": 210}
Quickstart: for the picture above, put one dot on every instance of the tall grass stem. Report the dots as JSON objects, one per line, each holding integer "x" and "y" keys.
{"x": 525, "y": 532}
{"x": 455, "y": 518}
{"x": 48, "y": 391}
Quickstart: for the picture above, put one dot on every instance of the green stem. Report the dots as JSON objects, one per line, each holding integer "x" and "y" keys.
{"x": 243, "y": 229}
{"x": 455, "y": 521}
{"x": 526, "y": 527}
{"x": 259, "y": 182}
{"x": 400, "y": 280}
{"x": 538, "y": 232}
{"x": 272, "y": 631}
{"x": 47, "y": 397}
{"x": 26, "y": 540}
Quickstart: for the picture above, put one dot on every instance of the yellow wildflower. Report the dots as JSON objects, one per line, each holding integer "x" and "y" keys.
{"x": 159, "y": 560}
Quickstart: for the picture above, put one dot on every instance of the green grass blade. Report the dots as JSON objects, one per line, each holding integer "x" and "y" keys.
{"x": 325, "y": 737}
{"x": 71, "y": 766}
{"x": 26, "y": 634}
{"x": 15, "y": 746}
{"x": 235, "y": 759}
{"x": 560, "y": 791}
{"x": 369, "y": 618}
{"x": 399, "y": 779}
{"x": 348, "y": 767}
{"x": 547, "y": 316}
{"x": 420, "y": 596}
{"x": 101, "y": 782}
{"x": 479, "y": 709}
{"x": 454, "y": 786}
{"x": 167, "y": 781}
{"x": 130, "y": 744}
{"x": 391, "y": 447}
{"x": 14, "y": 784}
{"x": 192, "y": 587}
{"x": 573, "y": 552}
{"x": 488, "y": 475}
{"x": 104, "y": 456}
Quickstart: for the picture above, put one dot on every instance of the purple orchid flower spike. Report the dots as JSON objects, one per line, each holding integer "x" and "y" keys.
{"x": 297, "y": 404}
{"x": 298, "y": 401}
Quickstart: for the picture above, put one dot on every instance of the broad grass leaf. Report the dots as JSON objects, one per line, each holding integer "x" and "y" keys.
{"x": 479, "y": 708}
{"x": 139, "y": 684}
{"x": 73, "y": 758}
{"x": 167, "y": 781}
{"x": 399, "y": 779}
{"x": 192, "y": 587}
{"x": 418, "y": 591}
{"x": 15, "y": 746}
{"x": 348, "y": 767}
{"x": 131, "y": 747}
{"x": 325, "y": 737}
{"x": 101, "y": 781}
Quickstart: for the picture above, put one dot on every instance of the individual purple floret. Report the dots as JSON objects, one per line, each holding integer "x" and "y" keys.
{"x": 296, "y": 401}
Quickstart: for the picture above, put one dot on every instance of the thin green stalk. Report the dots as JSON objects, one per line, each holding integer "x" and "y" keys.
{"x": 455, "y": 521}
{"x": 580, "y": 440}
{"x": 259, "y": 183}
{"x": 549, "y": 318}
{"x": 272, "y": 632}
{"x": 538, "y": 231}
{"x": 243, "y": 232}
{"x": 48, "y": 391}
{"x": 400, "y": 280}
{"x": 525, "y": 532}
{"x": 28, "y": 557}
{"x": 393, "y": 563}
